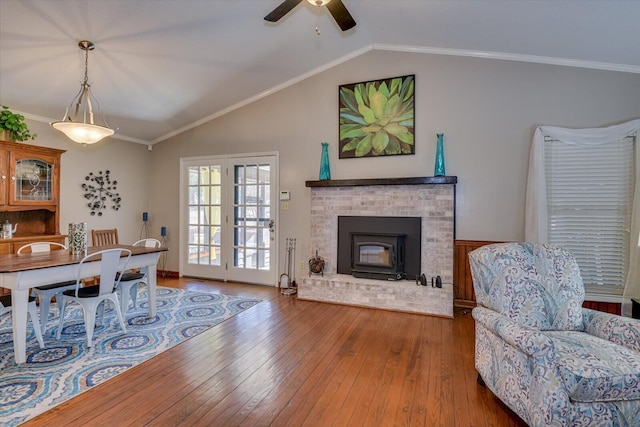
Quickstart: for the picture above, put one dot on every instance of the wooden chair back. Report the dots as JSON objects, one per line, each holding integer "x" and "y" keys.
{"x": 104, "y": 237}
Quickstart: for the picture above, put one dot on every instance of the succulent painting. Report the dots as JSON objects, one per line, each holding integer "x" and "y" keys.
{"x": 377, "y": 118}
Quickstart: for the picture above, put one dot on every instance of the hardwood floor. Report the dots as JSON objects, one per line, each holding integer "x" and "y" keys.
{"x": 287, "y": 362}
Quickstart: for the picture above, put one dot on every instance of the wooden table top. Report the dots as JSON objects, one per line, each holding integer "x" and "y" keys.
{"x": 13, "y": 263}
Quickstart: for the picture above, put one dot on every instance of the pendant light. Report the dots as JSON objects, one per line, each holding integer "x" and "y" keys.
{"x": 318, "y": 2}
{"x": 81, "y": 128}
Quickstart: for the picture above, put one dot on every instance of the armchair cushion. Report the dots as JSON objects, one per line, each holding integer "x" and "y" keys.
{"x": 537, "y": 286}
{"x": 594, "y": 369}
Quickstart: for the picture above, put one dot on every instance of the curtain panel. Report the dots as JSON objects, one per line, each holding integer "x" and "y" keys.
{"x": 536, "y": 195}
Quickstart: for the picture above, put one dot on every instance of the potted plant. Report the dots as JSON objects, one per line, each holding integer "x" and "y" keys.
{"x": 14, "y": 126}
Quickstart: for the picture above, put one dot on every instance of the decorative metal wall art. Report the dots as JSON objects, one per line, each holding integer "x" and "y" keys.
{"x": 100, "y": 190}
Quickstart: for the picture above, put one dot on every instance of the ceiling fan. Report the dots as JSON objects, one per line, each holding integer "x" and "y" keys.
{"x": 336, "y": 8}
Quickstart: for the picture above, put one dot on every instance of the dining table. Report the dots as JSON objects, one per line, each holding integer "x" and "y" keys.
{"x": 21, "y": 272}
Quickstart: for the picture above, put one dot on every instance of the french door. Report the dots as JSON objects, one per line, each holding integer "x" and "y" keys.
{"x": 228, "y": 217}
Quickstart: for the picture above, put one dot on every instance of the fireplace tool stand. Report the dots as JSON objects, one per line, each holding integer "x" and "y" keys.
{"x": 287, "y": 282}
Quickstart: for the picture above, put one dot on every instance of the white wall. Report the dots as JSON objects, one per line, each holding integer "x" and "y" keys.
{"x": 129, "y": 165}
{"x": 486, "y": 108}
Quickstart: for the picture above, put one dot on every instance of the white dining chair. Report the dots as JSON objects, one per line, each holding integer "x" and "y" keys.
{"x": 6, "y": 307}
{"x": 128, "y": 282}
{"x": 90, "y": 297}
{"x": 46, "y": 292}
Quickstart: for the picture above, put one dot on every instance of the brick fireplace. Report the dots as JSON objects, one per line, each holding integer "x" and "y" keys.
{"x": 430, "y": 198}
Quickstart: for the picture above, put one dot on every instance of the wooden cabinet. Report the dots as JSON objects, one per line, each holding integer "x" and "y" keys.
{"x": 29, "y": 194}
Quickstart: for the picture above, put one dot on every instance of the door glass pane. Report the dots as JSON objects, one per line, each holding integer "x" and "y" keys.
{"x": 263, "y": 260}
{"x": 215, "y": 235}
{"x": 238, "y": 239}
{"x": 193, "y": 176}
{"x": 264, "y": 238}
{"x": 251, "y": 260}
{"x": 238, "y": 255}
{"x": 215, "y": 195}
{"x": 265, "y": 194}
{"x": 265, "y": 174}
{"x": 252, "y": 215}
{"x": 238, "y": 195}
{"x": 204, "y": 211}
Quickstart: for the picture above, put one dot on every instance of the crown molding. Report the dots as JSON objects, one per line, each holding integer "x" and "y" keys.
{"x": 511, "y": 57}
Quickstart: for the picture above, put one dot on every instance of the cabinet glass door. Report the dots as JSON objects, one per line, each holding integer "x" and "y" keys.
{"x": 33, "y": 180}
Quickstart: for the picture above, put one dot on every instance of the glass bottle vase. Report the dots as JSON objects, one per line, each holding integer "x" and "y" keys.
{"x": 325, "y": 171}
{"x": 439, "y": 166}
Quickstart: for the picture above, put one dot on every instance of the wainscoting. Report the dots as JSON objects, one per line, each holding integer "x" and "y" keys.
{"x": 463, "y": 294}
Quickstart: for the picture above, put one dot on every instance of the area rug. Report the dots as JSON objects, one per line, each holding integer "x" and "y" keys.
{"x": 67, "y": 367}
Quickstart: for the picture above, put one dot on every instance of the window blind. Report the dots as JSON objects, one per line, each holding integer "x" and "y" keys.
{"x": 589, "y": 200}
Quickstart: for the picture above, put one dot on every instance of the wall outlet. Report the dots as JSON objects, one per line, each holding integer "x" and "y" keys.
{"x": 303, "y": 265}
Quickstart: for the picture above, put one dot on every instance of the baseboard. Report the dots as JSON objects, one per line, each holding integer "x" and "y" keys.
{"x": 168, "y": 273}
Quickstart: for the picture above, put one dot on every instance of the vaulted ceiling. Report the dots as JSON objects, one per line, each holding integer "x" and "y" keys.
{"x": 163, "y": 66}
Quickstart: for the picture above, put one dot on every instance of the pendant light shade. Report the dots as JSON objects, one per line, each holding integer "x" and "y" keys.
{"x": 81, "y": 127}
{"x": 318, "y": 2}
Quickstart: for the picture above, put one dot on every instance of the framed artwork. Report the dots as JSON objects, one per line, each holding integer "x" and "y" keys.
{"x": 377, "y": 118}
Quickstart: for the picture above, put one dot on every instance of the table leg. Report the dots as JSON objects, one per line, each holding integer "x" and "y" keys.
{"x": 152, "y": 279}
{"x": 19, "y": 301}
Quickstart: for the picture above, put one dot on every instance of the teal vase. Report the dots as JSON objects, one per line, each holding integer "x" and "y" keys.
{"x": 325, "y": 171}
{"x": 439, "y": 167}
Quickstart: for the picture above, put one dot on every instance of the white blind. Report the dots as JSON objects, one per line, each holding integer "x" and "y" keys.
{"x": 589, "y": 200}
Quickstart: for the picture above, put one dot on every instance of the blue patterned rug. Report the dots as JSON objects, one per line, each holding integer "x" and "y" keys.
{"x": 67, "y": 367}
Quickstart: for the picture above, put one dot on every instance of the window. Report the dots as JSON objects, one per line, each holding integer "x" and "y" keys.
{"x": 590, "y": 190}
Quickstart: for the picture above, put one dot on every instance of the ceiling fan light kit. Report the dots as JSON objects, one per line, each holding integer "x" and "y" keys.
{"x": 81, "y": 127}
{"x": 337, "y": 9}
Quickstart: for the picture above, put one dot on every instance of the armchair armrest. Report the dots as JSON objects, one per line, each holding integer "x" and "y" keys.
{"x": 618, "y": 329}
{"x": 529, "y": 341}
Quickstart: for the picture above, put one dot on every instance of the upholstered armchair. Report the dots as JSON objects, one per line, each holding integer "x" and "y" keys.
{"x": 551, "y": 361}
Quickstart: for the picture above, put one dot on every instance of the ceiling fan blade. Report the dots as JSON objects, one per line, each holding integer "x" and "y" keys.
{"x": 341, "y": 15}
{"x": 285, "y": 7}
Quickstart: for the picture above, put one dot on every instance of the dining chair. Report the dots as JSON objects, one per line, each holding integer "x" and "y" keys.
{"x": 46, "y": 292}
{"x": 90, "y": 297}
{"x": 104, "y": 237}
{"x": 5, "y": 307}
{"x": 127, "y": 286}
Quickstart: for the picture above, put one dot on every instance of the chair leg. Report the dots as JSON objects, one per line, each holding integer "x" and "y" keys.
{"x": 90, "y": 320}
{"x": 114, "y": 298}
{"x": 45, "y": 302}
{"x": 62, "y": 305}
{"x": 133, "y": 292}
{"x": 31, "y": 309}
{"x": 124, "y": 291}
{"x": 101, "y": 307}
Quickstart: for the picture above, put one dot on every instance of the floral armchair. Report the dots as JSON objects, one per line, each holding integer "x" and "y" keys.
{"x": 551, "y": 361}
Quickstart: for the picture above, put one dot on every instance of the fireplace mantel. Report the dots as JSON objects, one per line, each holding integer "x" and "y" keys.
{"x": 383, "y": 181}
